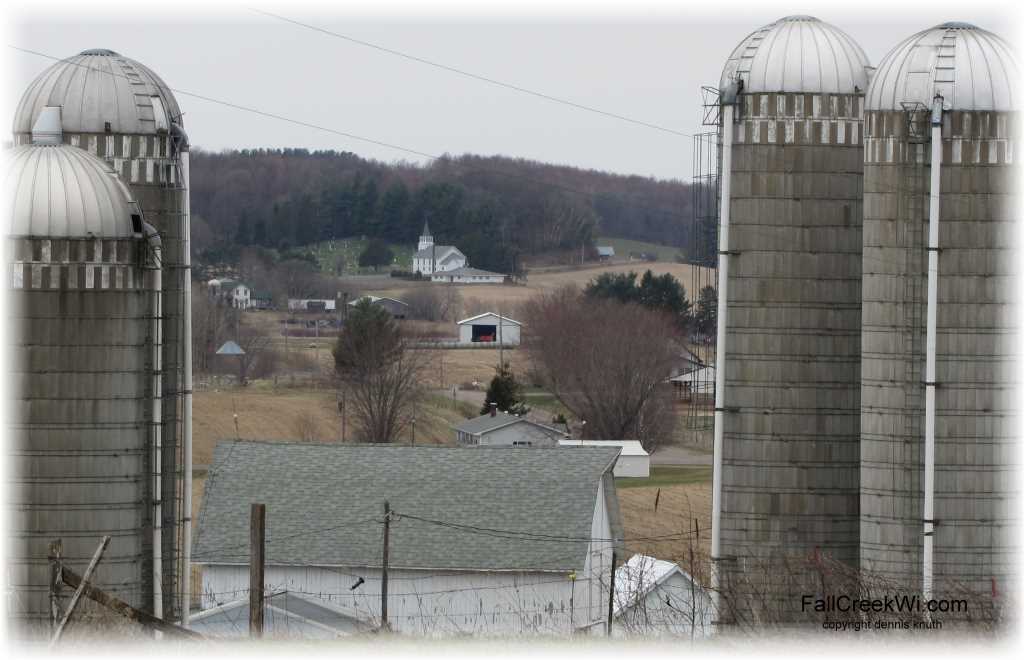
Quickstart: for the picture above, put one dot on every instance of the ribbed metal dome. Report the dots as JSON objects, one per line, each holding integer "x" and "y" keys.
{"x": 99, "y": 86}
{"x": 973, "y": 69}
{"x": 59, "y": 191}
{"x": 798, "y": 54}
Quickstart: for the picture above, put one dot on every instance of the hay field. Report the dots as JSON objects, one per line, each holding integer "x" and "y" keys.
{"x": 678, "y": 506}
{"x": 508, "y": 296}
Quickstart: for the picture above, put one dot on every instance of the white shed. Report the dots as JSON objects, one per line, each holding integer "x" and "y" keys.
{"x": 488, "y": 328}
{"x": 633, "y": 460}
{"x": 656, "y": 598}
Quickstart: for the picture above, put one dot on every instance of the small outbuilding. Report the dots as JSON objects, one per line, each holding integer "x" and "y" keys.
{"x": 396, "y": 308}
{"x": 633, "y": 460}
{"x": 605, "y": 252}
{"x": 286, "y": 615}
{"x": 655, "y": 598}
{"x": 312, "y": 305}
{"x": 489, "y": 328}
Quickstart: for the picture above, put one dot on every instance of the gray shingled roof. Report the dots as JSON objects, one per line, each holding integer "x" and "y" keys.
{"x": 325, "y": 503}
{"x": 485, "y": 423}
{"x": 436, "y": 252}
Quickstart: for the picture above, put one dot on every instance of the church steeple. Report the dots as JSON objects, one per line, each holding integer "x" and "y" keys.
{"x": 426, "y": 240}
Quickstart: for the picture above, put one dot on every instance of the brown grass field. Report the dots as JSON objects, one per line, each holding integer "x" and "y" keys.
{"x": 678, "y": 507}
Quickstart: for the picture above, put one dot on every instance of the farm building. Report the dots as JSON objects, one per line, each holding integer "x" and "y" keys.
{"x": 235, "y": 294}
{"x": 286, "y": 615}
{"x": 605, "y": 252}
{"x": 656, "y": 598}
{"x": 431, "y": 258}
{"x": 396, "y": 308}
{"x": 633, "y": 460}
{"x": 699, "y": 381}
{"x": 304, "y": 305}
{"x": 261, "y": 299}
{"x": 499, "y": 429}
{"x": 449, "y": 572}
{"x": 489, "y": 328}
{"x": 467, "y": 275}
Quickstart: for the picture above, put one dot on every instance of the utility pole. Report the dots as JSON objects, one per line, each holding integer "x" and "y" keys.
{"x": 257, "y": 537}
{"x": 56, "y": 569}
{"x": 611, "y": 595}
{"x": 384, "y": 569}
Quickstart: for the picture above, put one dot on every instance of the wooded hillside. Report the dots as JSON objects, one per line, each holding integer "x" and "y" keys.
{"x": 496, "y": 209}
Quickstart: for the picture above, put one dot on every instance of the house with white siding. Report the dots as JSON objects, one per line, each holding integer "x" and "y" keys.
{"x": 489, "y": 542}
{"x": 500, "y": 429}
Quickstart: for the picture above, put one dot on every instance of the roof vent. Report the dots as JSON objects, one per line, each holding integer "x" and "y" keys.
{"x": 47, "y": 129}
{"x": 102, "y": 52}
{"x": 958, "y": 25}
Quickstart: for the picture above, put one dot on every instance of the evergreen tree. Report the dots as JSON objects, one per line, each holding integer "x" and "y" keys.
{"x": 505, "y": 391}
{"x": 707, "y": 310}
{"x": 376, "y": 254}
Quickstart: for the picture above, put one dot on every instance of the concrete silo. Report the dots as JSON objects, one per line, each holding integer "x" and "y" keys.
{"x": 937, "y": 423}
{"x": 787, "y": 407}
{"x": 83, "y": 279}
{"x": 119, "y": 110}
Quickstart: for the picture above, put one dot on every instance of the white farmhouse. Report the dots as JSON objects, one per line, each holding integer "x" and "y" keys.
{"x": 482, "y": 542}
{"x": 489, "y": 328}
{"x": 235, "y": 294}
{"x": 634, "y": 461}
{"x": 500, "y": 429}
{"x": 430, "y": 258}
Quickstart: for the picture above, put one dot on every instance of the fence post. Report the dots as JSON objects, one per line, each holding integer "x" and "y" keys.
{"x": 384, "y": 568}
{"x": 611, "y": 596}
{"x": 257, "y": 521}
{"x": 56, "y": 569}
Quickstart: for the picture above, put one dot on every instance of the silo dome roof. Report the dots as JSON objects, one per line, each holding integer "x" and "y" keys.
{"x": 60, "y": 191}
{"x": 973, "y": 69}
{"x": 99, "y": 86}
{"x": 798, "y": 54}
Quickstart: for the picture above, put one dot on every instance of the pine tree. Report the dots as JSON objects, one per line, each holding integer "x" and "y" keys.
{"x": 505, "y": 391}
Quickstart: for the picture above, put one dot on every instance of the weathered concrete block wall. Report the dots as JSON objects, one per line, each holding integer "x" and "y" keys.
{"x": 151, "y": 169}
{"x": 790, "y": 454}
{"x": 974, "y": 481}
{"x": 80, "y": 437}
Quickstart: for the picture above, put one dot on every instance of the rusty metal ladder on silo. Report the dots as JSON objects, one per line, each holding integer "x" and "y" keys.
{"x": 914, "y": 219}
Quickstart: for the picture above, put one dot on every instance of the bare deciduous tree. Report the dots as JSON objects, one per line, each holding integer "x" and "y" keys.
{"x": 433, "y": 303}
{"x": 379, "y": 372}
{"x": 605, "y": 361}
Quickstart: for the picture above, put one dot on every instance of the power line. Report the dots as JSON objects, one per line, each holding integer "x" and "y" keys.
{"x": 474, "y": 76}
{"x": 416, "y": 152}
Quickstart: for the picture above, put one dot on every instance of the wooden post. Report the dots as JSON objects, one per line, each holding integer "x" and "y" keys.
{"x": 384, "y": 568}
{"x": 117, "y": 605}
{"x": 257, "y": 520}
{"x": 78, "y": 592}
{"x": 611, "y": 596}
{"x": 56, "y": 580}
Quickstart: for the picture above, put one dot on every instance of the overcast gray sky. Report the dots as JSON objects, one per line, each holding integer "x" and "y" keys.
{"x": 643, "y": 60}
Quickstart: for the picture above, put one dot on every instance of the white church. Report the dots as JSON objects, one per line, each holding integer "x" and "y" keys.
{"x": 431, "y": 258}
